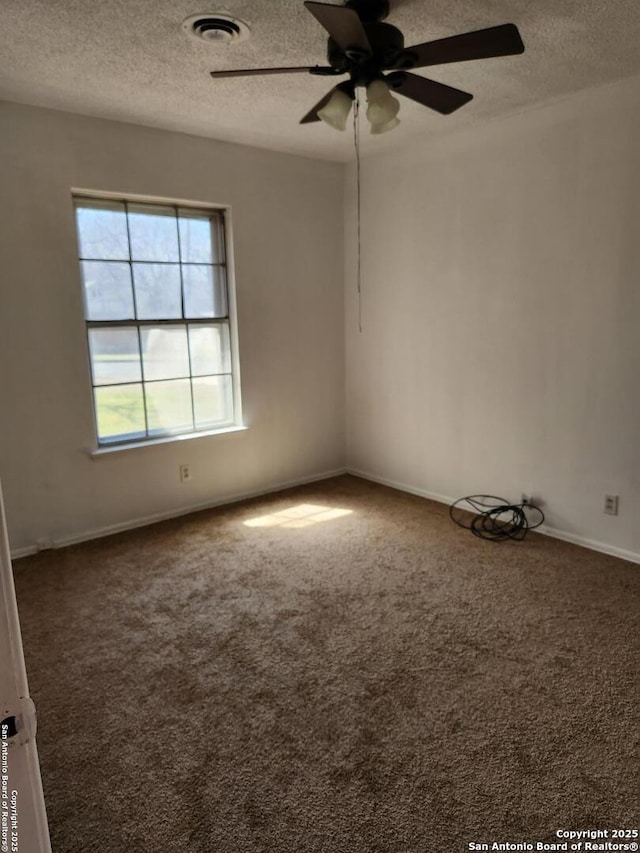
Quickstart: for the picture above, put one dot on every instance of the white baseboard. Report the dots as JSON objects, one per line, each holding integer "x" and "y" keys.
{"x": 143, "y": 521}
{"x": 545, "y": 530}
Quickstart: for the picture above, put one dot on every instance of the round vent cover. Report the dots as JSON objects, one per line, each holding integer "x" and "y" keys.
{"x": 216, "y": 28}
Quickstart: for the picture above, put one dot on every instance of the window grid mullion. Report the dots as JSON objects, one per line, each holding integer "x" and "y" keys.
{"x": 166, "y": 379}
{"x": 184, "y": 317}
{"x": 133, "y": 286}
{"x": 178, "y": 321}
{"x": 156, "y": 263}
{"x": 137, "y": 326}
{"x": 143, "y": 384}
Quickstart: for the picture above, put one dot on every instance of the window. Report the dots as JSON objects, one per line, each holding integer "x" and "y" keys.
{"x": 156, "y": 303}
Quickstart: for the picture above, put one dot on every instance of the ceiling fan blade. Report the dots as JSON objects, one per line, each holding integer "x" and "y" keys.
{"x": 481, "y": 44}
{"x": 436, "y": 96}
{"x": 248, "y": 72}
{"x": 312, "y": 115}
{"x": 343, "y": 25}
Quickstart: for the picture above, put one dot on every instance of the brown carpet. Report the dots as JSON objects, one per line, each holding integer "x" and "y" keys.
{"x": 377, "y": 682}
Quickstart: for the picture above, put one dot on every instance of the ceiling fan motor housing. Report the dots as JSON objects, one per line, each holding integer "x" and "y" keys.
{"x": 387, "y": 44}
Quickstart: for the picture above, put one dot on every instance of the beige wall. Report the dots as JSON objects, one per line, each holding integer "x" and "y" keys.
{"x": 500, "y": 348}
{"x": 287, "y": 219}
{"x": 501, "y": 307}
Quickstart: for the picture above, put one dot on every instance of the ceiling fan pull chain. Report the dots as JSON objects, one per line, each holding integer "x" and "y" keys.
{"x": 356, "y": 142}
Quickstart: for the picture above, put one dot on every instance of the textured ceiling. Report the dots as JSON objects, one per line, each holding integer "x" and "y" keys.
{"x": 130, "y": 60}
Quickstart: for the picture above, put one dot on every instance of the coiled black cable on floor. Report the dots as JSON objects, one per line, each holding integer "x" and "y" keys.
{"x": 494, "y": 518}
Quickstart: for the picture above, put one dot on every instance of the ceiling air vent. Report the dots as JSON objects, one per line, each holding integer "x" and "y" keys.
{"x": 217, "y": 28}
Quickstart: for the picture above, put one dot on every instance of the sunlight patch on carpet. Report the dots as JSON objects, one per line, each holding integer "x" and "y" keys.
{"x": 302, "y": 515}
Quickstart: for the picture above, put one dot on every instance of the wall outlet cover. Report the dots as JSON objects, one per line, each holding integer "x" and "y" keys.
{"x": 611, "y": 504}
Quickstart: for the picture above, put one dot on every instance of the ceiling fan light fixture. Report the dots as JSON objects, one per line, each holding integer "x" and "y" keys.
{"x": 336, "y": 111}
{"x": 382, "y": 107}
{"x": 383, "y": 128}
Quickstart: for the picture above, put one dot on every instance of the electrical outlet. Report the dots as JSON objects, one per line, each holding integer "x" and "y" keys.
{"x": 185, "y": 473}
{"x": 611, "y": 504}
{"x": 531, "y": 499}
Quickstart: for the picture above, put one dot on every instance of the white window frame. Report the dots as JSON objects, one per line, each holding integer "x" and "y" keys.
{"x": 237, "y": 424}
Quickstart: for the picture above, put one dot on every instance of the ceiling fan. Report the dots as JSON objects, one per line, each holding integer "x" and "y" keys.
{"x": 364, "y": 47}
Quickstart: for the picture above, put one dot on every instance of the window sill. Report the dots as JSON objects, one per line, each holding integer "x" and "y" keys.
{"x": 106, "y": 450}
